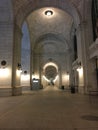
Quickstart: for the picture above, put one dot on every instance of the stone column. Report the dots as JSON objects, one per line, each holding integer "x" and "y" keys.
{"x": 16, "y": 74}
{"x": 71, "y": 74}
{"x": 83, "y": 56}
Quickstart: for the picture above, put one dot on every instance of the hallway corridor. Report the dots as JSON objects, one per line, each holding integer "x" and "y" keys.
{"x": 48, "y": 110}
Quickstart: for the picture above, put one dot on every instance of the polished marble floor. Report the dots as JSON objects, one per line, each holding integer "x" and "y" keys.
{"x": 49, "y": 109}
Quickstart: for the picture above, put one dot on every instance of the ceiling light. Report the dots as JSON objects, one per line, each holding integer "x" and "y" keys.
{"x": 48, "y": 13}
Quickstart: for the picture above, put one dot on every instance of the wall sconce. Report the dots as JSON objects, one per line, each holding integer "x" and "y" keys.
{"x": 4, "y": 72}
{"x": 79, "y": 66}
{"x": 19, "y": 67}
{"x": 67, "y": 75}
{"x": 25, "y": 76}
{"x": 3, "y": 64}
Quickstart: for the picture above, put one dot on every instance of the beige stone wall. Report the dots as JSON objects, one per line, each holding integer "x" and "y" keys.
{"x": 6, "y": 42}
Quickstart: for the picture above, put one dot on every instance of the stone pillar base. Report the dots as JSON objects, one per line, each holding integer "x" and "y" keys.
{"x": 17, "y": 91}
{"x": 5, "y": 92}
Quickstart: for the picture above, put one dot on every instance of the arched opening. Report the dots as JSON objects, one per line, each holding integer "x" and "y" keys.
{"x": 48, "y": 39}
{"x": 50, "y": 74}
{"x": 66, "y": 6}
{"x": 50, "y": 25}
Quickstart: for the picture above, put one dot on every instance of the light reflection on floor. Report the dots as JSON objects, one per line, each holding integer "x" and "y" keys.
{"x": 51, "y": 88}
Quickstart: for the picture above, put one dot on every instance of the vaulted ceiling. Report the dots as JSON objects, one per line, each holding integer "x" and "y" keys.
{"x": 22, "y": 8}
{"x": 43, "y": 29}
{"x": 21, "y": 4}
{"x": 52, "y": 29}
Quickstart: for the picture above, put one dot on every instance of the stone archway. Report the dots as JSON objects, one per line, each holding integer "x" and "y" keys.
{"x": 12, "y": 22}
{"x": 50, "y": 74}
{"x": 22, "y": 14}
{"x": 29, "y": 6}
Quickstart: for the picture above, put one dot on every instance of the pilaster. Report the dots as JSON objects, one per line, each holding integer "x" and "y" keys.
{"x": 16, "y": 74}
{"x": 83, "y": 45}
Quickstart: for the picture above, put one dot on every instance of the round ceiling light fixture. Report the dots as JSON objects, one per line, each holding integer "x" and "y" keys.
{"x": 48, "y": 12}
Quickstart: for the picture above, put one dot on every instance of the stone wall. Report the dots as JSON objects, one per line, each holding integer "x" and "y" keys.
{"x": 6, "y": 42}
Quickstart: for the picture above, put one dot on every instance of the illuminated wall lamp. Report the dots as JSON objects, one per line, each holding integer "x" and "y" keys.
{"x": 4, "y": 72}
{"x": 67, "y": 76}
{"x": 25, "y": 76}
{"x": 19, "y": 67}
{"x": 79, "y": 66}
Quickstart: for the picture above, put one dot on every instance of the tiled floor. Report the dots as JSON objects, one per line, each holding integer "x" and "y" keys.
{"x": 48, "y": 109}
